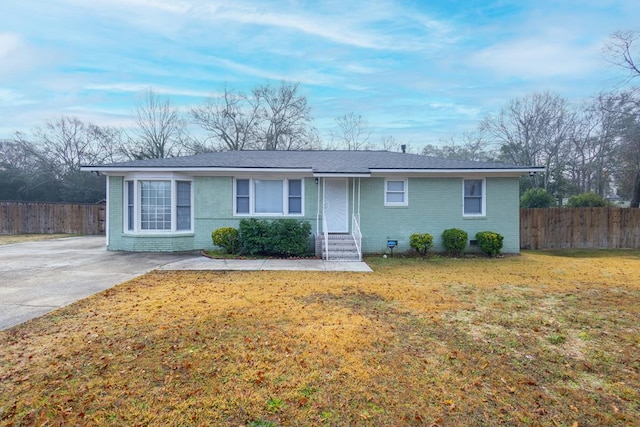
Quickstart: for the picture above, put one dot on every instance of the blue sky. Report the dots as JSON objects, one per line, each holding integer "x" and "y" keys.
{"x": 419, "y": 71}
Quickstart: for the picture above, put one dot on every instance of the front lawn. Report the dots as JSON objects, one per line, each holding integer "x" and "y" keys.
{"x": 538, "y": 339}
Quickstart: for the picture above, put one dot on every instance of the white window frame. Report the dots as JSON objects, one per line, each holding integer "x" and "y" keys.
{"x": 285, "y": 197}
{"x": 483, "y": 198}
{"x": 137, "y": 205}
{"x": 405, "y": 193}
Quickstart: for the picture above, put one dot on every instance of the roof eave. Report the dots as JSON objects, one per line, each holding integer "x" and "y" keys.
{"x": 341, "y": 174}
{"x": 457, "y": 171}
{"x": 124, "y": 169}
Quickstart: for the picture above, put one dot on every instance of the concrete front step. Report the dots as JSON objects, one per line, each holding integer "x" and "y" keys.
{"x": 341, "y": 248}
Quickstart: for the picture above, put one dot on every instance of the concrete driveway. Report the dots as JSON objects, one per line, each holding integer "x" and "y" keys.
{"x": 38, "y": 277}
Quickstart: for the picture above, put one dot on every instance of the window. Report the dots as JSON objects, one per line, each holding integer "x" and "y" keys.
{"x": 242, "y": 196}
{"x": 268, "y": 196}
{"x": 295, "y": 196}
{"x": 473, "y": 197}
{"x": 130, "y": 208}
{"x": 395, "y": 193}
{"x": 158, "y": 205}
{"x": 183, "y": 205}
{"x": 155, "y": 205}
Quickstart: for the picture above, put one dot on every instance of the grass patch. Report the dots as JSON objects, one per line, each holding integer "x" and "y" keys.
{"x": 218, "y": 254}
{"x": 7, "y": 239}
{"x": 591, "y": 253}
{"x": 529, "y": 340}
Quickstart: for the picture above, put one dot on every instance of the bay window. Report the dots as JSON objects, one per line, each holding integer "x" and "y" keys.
{"x": 158, "y": 205}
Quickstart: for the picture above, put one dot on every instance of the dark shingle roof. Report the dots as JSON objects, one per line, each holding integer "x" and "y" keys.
{"x": 347, "y": 162}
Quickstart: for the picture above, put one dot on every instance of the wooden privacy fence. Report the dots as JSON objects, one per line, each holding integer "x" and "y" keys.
{"x": 558, "y": 228}
{"x": 50, "y": 218}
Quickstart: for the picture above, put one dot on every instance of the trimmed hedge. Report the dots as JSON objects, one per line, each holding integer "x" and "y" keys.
{"x": 254, "y": 236}
{"x": 454, "y": 241}
{"x": 289, "y": 237}
{"x": 280, "y": 237}
{"x": 227, "y": 238}
{"x": 421, "y": 242}
{"x": 489, "y": 242}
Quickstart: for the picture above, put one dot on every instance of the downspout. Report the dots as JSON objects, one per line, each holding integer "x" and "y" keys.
{"x": 318, "y": 207}
{"x": 325, "y": 233}
{"x": 106, "y": 212}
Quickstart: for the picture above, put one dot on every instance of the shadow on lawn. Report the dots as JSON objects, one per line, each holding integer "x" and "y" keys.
{"x": 588, "y": 253}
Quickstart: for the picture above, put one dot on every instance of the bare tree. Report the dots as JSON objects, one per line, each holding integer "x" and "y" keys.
{"x": 270, "y": 118}
{"x": 623, "y": 51}
{"x": 52, "y": 155}
{"x": 620, "y": 51}
{"x": 627, "y": 160}
{"x": 472, "y": 147}
{"x": 160, "y": 130}
{"x": 354, "y": 131}
{"x": 536, "y": 131}
{"x": 68, "y": 143}
{"x": 389, "y": 143}
{"x": 592, "y": 160}
{"x": 285, "y": 118}
{"x": 231, "y": 118}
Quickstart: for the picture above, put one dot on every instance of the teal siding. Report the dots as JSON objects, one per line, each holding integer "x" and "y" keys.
{"x": 116, "y": 213}
{"x": 435, "y": 204}
{"x": 213, "y": 208}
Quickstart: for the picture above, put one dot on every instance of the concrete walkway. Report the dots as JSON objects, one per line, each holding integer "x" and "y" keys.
{"x": 204, "y": 263}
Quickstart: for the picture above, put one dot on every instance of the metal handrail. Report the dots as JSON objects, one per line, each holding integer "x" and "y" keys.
{"x": 357, "y": 234}
{"x": 325, "y": 234}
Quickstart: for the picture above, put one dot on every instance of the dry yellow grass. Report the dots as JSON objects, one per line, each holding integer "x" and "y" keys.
{"x": 6, "y": 239}
{"x": 538, "y": 339}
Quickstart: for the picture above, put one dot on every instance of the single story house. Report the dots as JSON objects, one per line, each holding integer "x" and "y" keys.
{"x": 356, "y": 201}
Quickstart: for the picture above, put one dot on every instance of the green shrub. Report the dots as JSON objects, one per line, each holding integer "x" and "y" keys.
{"x": 489, "y": 242}
{"x": 289, "y": 237}
{"x": 421, "y": 242}
{"x": 537, "y": 198}
{"x": 587, "y": 200}
{"x": 254, "y": 236}
{"x": 226, "y": 238}
{"x": 454, "y": 241}
{"x": 280, "y": 237}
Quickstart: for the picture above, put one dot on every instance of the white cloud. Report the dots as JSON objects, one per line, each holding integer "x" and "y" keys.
{"x": 9, "y": 44}
{"x": 142, "y": 87}
{"x": 539, "y": 57}
{"x": 140, "y": 6}
{"x": 15, "y": 55}
{"x": 18, "y": 56}
{"x": 10, "y": 97}
{"x": 305, "y": 76}
{"x": 363, "y": 25}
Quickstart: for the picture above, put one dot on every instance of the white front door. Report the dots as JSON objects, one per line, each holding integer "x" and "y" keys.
{"x": 336, "y": 204}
